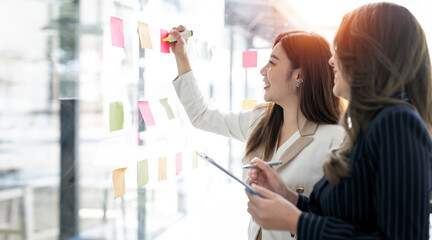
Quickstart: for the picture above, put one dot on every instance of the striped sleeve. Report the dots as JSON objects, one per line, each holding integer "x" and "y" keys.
{"x": 401, "y": 191}
{"x": 303, "y": 203}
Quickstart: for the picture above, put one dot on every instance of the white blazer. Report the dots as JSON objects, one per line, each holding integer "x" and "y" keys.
{"x": 302, "y": 154}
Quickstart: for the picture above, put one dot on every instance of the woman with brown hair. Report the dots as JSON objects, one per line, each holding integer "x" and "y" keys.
{"x": 297, "y": 125}
{"x": 377, "y": 184}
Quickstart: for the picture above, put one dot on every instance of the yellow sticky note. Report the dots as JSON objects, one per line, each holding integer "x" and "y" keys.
{"x": 144, "y": 35}
{"x": 119, "y": 182}
{"x": 194, "y": 159}
{"x": 142, "y": 173}
{"x": 162, "y": 168}
{"x": 168, "y": 110}
{"x": 248, "y": 104}
{"x": 116, "y": 116}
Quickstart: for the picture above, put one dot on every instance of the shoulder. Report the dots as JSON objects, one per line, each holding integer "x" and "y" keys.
{"x": 330, "y": 130}
{"x": 398, "y": 122}
{"x": 256, "y": 114}
{"x": 330, "y": 134}
{"x": 396, "y": 116}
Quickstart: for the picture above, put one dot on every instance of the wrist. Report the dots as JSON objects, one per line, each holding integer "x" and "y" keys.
{"x": 183, "y": 65}
{"x": 290, "y": 195}
{"x": 181, "y": 56}
{"x": 294, "y": 221}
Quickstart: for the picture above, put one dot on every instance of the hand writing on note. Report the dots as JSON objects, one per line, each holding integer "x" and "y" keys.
{"x": 178, "y": 47}
{"x": 266, "y": 177}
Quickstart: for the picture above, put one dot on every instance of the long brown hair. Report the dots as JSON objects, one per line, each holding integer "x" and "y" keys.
{"x": 383, "y": 54}
{"x": 310, "y": 52}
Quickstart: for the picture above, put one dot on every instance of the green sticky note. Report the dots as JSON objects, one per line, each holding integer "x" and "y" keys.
{"x": 116, "y": 116}
{"x": 142, "y": 173}
{"x": 194, "y": 160}
{"x": 167, "y": 107}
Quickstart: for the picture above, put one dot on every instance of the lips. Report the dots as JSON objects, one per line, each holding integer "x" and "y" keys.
{"x": 266, "y": 85}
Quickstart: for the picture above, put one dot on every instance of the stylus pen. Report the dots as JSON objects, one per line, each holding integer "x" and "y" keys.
{"x": 268, "y": 163}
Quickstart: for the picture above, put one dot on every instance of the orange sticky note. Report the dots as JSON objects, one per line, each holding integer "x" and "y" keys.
{"x": 162, "y": 168}
{"x": 250, "y": 59}
{"x": 248, "y": 104}
{"x": 178, "y": 163}
{"x": 142, "y": 173}
{"x": 144, "y": 34}
{"x": 164, "y": 44}
{"x": 146, "y": 113}
{"x": 119, "y": 182}
{"x": 117, "y": 37}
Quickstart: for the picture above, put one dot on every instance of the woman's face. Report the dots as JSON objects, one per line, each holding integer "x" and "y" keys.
{"x": 278, "y": 85}
{"x": 341, "y": 86}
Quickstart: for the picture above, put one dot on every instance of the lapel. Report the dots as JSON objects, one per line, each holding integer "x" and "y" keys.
{"x": 306, "y": 131}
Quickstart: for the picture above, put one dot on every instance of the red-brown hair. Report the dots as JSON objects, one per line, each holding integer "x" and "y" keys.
{"x": 310, "y": 52}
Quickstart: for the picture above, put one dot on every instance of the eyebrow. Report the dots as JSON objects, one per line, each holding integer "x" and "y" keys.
{"x": 274, "y": 56}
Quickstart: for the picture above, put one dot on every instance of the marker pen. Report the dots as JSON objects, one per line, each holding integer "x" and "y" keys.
{"x": 185, "y": 34}
{"x": 271, "y": 164}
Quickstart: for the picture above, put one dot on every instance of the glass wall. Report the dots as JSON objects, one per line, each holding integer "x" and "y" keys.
{"x": 59, "y": 75}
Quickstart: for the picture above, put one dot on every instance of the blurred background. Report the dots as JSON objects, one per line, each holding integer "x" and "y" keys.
{"x": 58, "y": 74}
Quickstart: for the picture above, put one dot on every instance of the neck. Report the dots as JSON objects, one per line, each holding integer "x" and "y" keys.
{"x": 293, "y": 117}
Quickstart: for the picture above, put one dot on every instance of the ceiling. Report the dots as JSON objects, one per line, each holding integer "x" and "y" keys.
{"x": 263, "y": 18}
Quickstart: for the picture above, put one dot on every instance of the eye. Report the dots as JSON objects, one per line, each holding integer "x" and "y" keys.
{"x": 271, "y": 63}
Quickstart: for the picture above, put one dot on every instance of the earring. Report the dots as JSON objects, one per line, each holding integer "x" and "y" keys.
{"x": 297, "y": 84}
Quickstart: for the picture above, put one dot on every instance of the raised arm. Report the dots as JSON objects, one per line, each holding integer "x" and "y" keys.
{"x": 235, "y": 125}
{"x": 179, "y": 49}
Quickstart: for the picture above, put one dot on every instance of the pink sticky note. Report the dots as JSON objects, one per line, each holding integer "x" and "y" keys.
{"x": 250, "y": 59}
{"x": 178, "y": 163}
{"x": 117, "y": 37}
{"x": 164, "y": 45}
{"x": 146, "y": 113}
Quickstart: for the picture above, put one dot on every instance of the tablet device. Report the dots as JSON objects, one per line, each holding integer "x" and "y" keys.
{"x": 208, "y": 159}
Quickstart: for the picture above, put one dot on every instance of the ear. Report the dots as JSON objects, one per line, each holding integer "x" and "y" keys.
{"x": 298, "y": 73}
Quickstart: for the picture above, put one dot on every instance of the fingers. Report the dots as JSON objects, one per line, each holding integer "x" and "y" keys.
{"x": 180, "y": 28}
{"x": 176, "y": 34}
{"x": 263, "y": 191}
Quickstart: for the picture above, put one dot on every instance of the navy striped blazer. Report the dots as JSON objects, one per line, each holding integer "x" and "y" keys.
{"x": 387, "y": 193}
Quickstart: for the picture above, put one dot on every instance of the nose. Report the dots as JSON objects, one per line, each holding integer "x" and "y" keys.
{"x": 264, "y": 70}
{"x": 331, "y": 61}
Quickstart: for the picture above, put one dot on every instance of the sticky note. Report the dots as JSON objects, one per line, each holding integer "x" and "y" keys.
{"x": 162, "y": 168}
{"x": 194, "y": 159}
{"x": 250, "y": 59}
{"x": 248, "y": 104}
{"x": 144, "y": 36}
{"x": 164, "y": 44}
{"x": 167, "y": 107}
{"x": 116, "y": 116}
{"x": 117, "y": 37}
{"x": 178, "y": 163}
{"x": 142, "y": 173}
{"x": 119, "y": 182}
{"x": 141, "y": 125}
{"x": 146, "y": 113}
